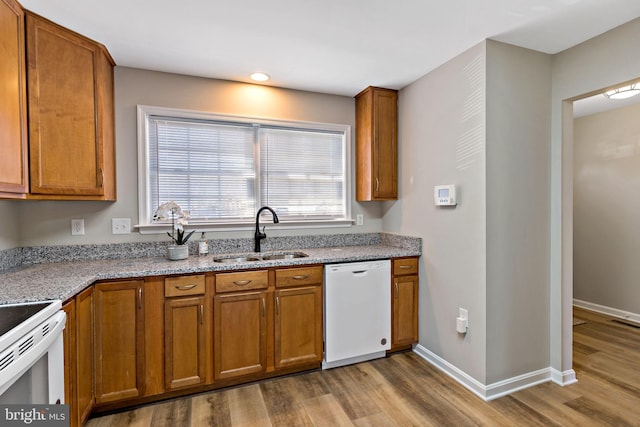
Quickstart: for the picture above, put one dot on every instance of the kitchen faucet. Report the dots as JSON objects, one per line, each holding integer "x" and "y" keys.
{"x": 261, "y": 235}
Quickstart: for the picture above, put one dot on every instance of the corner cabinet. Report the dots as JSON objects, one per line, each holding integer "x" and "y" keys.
{"x": 79, "y": 356}
{"x": 71, "y": 114}
{"x": 14, "y": 180}
{"x": 376, "y": 144}
{"x": 404, "y": 303}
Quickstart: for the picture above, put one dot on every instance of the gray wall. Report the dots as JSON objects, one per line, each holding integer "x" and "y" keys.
{"x": 49, "y": 222}
{"x": 466, "y": 124}
{"x": 517, "y": 191}
{"x": 442, "y": 141}
{"x": 606, "y": 201}
{"x": 9, "y": 231}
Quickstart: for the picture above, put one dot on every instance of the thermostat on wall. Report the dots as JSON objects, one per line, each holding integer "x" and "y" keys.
{"x": 445, "y": 195}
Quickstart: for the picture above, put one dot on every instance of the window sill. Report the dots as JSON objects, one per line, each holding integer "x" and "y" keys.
{"x": 282, "y": 225}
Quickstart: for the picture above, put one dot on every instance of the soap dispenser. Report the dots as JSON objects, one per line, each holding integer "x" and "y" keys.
{"x": 203, "y": 246}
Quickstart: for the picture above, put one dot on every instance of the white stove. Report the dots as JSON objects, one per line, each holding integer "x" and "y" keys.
{"x": 31, "y": 353}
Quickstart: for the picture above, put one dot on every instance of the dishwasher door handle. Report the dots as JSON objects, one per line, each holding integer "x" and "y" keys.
{"x": 360, "y": 272}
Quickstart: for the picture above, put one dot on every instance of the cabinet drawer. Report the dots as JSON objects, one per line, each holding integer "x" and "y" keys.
{"x": 184, "y": 285}
{"x": 298, "y": 276}
{"x": 405, "y": 266}
{"x": 242, "y": 281}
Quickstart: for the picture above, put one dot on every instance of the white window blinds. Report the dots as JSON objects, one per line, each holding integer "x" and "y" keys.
{"x": 303, "y": 173}
{"x": 207, "y": 168}
{"x": 222, "y": 171}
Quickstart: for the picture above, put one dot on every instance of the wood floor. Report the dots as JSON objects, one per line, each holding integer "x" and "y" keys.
{"x": 404, "y": 390}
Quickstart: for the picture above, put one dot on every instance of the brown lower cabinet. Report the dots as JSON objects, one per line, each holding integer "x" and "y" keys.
{"x": 79, "y": 356}
{"x": 119, "y": 334}
{"x": 187, "y": 331}
{"x": 239, "y": 334}
{"x": 404, "y": 303}
{"x": 298, "y": 316}
{"x": 135, "y": 341}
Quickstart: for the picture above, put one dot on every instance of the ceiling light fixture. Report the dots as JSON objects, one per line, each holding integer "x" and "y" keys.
{"x": 623, "y": 92}
{"x": 259, "y": 77}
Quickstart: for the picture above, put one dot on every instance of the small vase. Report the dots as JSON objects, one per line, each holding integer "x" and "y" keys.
{"x": 177, "y": 252}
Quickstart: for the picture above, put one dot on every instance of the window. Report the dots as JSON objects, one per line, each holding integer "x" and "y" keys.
{"x": 224, "y": 168}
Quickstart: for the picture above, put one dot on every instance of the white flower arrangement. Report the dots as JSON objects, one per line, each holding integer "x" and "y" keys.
{"x": 179, "y": 218}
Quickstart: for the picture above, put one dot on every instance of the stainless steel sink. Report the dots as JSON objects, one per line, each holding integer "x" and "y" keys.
{"x": 259, "y": 257}
{"x": 288, "y": 255}
{"x": 231, "y": 260}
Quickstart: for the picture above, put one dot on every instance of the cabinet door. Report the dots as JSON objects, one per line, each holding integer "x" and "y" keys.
{"x": 119, "y": 332}
{"x": 66, "y": 106}
{"x": 298, "y": 326}
{"x": 185, "y": 341}
{"x": 84, "y": 354}
{"x": 385, "y": 149}
{"x": 405, "y": 310}
{"x": 240, "y": 330}
{"x": 69, "y": 338}
{"x": 376, "y": 144}
{"x": 13, "y": 107}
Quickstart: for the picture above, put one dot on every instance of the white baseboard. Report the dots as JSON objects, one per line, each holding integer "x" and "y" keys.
{"x": 500, "y": 388}
{"x": 621, "y": 314}
{"x": 563, "y": 378}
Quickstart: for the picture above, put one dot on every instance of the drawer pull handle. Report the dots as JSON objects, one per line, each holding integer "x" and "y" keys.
{"x": 185, "y": 287}
{"x": 406, "y": 266}
{"x": 242, "y": 282}
{"x": 300, "y": 277}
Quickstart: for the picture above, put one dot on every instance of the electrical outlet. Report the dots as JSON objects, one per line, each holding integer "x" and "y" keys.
{"x": 120, "y": 225}
{"x": 359, "y": 219}
{"x": 77, "y": 227}
{"x": 462, "y": 322}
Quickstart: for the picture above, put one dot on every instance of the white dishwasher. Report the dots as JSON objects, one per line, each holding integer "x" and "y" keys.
{"x": 357, "y": 312}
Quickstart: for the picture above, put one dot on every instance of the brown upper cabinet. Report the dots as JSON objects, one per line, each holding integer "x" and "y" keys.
{"x": 14, "y": 157}
{"x": 376, "y": 144}
{"x": 64, "y": 148}
{"x": 71, "y": 114}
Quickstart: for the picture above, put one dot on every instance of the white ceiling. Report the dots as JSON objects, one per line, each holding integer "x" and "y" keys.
{"x": 329, "y": 46}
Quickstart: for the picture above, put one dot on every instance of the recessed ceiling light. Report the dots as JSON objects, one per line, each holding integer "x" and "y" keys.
{"x": 623, "y": 92}
{"x": 259, "y": 77}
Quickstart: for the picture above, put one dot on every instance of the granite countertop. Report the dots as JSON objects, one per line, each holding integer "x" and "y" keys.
{"x": 63, "y": 280}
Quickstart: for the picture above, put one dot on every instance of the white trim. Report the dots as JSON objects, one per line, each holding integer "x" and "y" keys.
{"x": 563, "y": 378}
{"x": 475, "y": 386}
{"x": 621, "y": 314}
{"x": 500, "y": 388}
{"x": 250, "y": 226}
{"x": 144, "y": 202}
